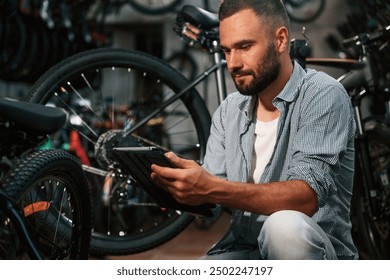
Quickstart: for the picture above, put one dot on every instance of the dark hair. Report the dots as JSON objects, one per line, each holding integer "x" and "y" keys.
{"x": 271, "y": 11}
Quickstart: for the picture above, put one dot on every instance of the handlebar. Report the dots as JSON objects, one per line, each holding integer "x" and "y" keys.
{"x": 366, "y": 39}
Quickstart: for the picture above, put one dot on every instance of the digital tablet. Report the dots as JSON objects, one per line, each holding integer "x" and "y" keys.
{"x": 137, "y": 162}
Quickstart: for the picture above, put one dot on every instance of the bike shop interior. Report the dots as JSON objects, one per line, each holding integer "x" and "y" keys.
{"x": 123, "y": 26}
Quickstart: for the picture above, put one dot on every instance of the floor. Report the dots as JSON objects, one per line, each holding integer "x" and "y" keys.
{"x": 190, "y": 244}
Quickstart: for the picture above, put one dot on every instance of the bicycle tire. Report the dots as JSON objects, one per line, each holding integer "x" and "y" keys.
{"x": 51, "y": 188}
{"x": 128, "y": 222}
{"x": 154, "y": 7}
{"x": 304, "y": 11}
{"x": 371, "y": 227}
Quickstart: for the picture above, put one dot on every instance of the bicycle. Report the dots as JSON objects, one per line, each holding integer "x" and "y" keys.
{"x": 125, "y": 219}
{"x": 371, "y": 201}
{"x": 45, "y": 200}
{"x": 154, "y": 105}
{"x": 366, "y": 82}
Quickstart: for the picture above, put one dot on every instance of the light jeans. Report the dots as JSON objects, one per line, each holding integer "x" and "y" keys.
{"x": 285, "y": 235}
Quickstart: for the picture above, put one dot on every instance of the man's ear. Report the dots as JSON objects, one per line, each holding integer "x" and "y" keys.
{"x": 282, "y": 39}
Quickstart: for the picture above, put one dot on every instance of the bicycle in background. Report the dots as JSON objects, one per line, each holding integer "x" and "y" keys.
{"x": 366, "y": 80}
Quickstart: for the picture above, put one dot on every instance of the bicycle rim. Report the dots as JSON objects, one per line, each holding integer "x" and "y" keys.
{"x": 52, "y": 191}
{"x": 104, "y": 90}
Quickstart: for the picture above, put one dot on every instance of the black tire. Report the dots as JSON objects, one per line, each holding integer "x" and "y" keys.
{"x": 137, "y": 83}
{"x": 155, "y": 7}
{"x": 370, "y": 211}
{"x": 52, "y": 189}
{"x": 304, "y": 11}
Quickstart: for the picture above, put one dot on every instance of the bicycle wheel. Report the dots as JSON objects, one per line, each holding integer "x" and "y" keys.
{"x": 105, "y": 90}
{"x": 154, "y": 7}
{"x": 371, "y": 209}
{"x": 304, "y": 10}
{"x": 53, "y": 192}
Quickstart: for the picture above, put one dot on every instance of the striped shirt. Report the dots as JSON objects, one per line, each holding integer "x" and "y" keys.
{"x": 315, "y": 143}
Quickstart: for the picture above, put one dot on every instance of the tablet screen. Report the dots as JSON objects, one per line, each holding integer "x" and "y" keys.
{"x": 137, "y": 161}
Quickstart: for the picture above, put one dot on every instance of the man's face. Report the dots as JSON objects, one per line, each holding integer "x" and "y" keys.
{"x": 251, "y": 54}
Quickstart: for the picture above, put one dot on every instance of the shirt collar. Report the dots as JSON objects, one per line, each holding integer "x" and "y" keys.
{"x": 290, "y": 91}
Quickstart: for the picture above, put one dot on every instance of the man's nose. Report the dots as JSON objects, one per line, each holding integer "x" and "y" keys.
{"x": 234, "y": 61}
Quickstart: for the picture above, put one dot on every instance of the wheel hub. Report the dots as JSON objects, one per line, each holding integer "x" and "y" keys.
{"x": 107, "y": 141}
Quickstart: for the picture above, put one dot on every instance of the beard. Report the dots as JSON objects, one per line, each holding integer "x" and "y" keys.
{"x": 266, "y": 72}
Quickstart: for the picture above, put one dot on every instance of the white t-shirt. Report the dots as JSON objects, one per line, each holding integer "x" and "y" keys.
{"x": 265, "y": 139}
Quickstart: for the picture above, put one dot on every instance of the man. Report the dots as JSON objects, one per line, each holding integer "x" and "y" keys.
{"x": 280, "y": 151}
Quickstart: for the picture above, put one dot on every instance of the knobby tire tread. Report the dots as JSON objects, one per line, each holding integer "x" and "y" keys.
{"x": 55, "y": 163}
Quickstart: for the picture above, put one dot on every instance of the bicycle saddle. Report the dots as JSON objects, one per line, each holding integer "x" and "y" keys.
{"x": 35, "y": 117}
{"x": 198, "y": 16}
